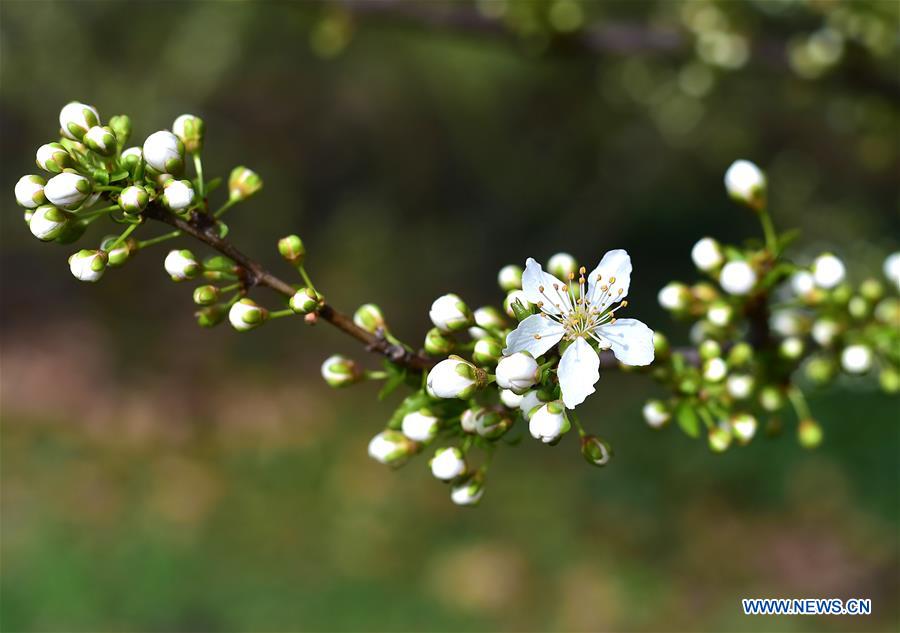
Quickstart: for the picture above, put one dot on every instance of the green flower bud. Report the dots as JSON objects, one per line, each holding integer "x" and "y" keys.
{"x": 369, "y": 317}
{"x": 709, "y": 349}
{"x": 243, "y": 183}
{"x": 88, "y": 265}
{"x": 820, "y": 369}
{"x": 448, "y": 463}
{"x": 131, "y": 158}
{"x": 437, "y": 344}
{"x": 595, "y": 451}
{"x": 487, "y": 351}
{"x": 67, "y": 190}
{"x": 889, "y": 379}
{"x": 101, "y": 139}
{"x": 121, "y": 253}
{"x": 549, "y": 423}
{"x": 210, "y": 316}
{"x": 489, "y": 318}
{"x": 73, "y": 231}
{"x": 660, "y": 345}
{"x": 719, "y": 313}
{"x": 189, "y": 129}
{"x": 455, "y": 377}
{"x": 746, "y": 183}
{"x": 704, "y": 292}
{"x": 120, "y": 124}
{"x": 292, "y": 249}
{"x": 246, "y": 314}
{"x": 490, "y": 424}
{"x": 133, "y": 200}
{"x": 53, "y": 157}
{"x": 791, "y": 348}
{"x": 219, "y": 263}
{"x": 858, "y": 307}
{"x": 516, "y": 305}
{"x": 562, "y": 266}
{"x": 743, "y": 427}
{"x": 48, "y": 222}
{"x": 306, "y": 301}
{"x": 888, "y": 311}
{"x": 510, "y": 278}
{"x": 720, "y": 438}
{"x": 656, "y": 413}
{"x": 340, "y": 371}
{"x": 206, "y": 295}
{"x": 740, "y": 354}
{"x": 771, "y": 398}
{"x": 674, "y": 296}
{"x": 809, "y": 433}
{"x": 872, "y": 290}
{"x": 715, "y": 370}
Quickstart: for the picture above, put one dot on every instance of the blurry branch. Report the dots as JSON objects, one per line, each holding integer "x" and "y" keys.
{"x": 613, "y": 38}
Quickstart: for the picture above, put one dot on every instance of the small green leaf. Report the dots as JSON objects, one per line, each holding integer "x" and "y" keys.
{"x": 213, "y": 184}
{"x": 393, "y": 381}
{"x": 687, "y": 418}
{"x": 119, "y": 175}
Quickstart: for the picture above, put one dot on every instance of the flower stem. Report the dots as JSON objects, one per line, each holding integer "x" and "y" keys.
{"x": 198, "y": 166}
{"x": 799, "y": 403}
{"x": 306, "y": 279}
{"x": 157, "y": 240}
{"x": 107, "y": 188}
{"x": 768, "y": 229}
{"x": 574, "y": 418}
{"x": 93, "y": 214}
{"x": 123, "y": 237}
{"x": 228, "y": 204}
{"x": 281, "y": 313}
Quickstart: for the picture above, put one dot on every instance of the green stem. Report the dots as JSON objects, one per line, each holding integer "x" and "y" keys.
{"x": 107, "y": 188}
{"x": 769, "y": 230}
{"x": 574, "y": 418}
{"x": 281, "y": 313}
{"x": 306, "y": 279}
{"x": 198, "y": 166}
{"x": 799, "y": 403}
{"x": 375, "y": 375}
{"x": 707, "y": 418}
{"x": 96, "y": 213}
{"x": 228, "y": 204}
{"x": 123, "y": 236}
{"x": 139, "y": 170}
{"x": 157, "y": 240}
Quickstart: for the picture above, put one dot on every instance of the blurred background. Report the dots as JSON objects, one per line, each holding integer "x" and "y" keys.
{"x": 156, "y": 476}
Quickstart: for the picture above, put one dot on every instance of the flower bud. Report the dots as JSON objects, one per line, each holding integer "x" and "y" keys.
{"x": 468, "y": 492}
{"x": 858, "y": 308}
{"x": 30, "y": 191}
{"x": 76, "y": 119}
{"x": 828, "y": 271}
{"x": 771, "y": 399}
{"x": 809, "y": 433}
{"x": 720, "y": 438}
{"x": 788, "y": 322}
{"x": 739, "y": 386}
{"x": 131, "y": 158}
{"x": 737, "y": 277}
{"x": 369, "y": 317}
{"x": 467, "y": 419}
{"x": 791, "y": 348}
{"x": 210, "y": 316}
{"x": 133, "y": 200}
{"x": 243, "y": 183}
{"x": 889, "y": 379}
{"x": 189, "y": 129}
{"x": 660, "y": 345}
{"x": 802, "y": 283}
{"x": 87, "y": 265}
{"x": 825, "y": 330}
{"x": 820, "y": 370}
{"x": 164, "y": 152}
{"x": 117, "y": 253}
{"x": 740, "y": 354}
{"x": 292, "y": 249}
{"x": 489, "y": 318}
{"x": 743, "y": 427}
{"x": 246, "y": 314}
{"x": 420, "y": 426}
{"x": 340, "y": 371}
{"x": 719, "y": 313}
{"x": 178, "y": 195}
{"x": 562, "y": 265}
{"x": 181, "y": 265}
{"x": 531, "y": 401}
{"x": 72, "y": 231}
{"x": 206, "y": 295}
{"x": 101, "y": 139}
{"x": 510, "y": 398}
{"x": 447, "y": 463}
{"x": 67, "y": 190}
{"x": 709, "y": 349}
{"x": 715, "y": 370}
{"x": 48, "y": 222}
{"x": 305, "y": 301}
{"x": 891, "y": 268}
{"x": 674, "y": 296}
{"x": 855, "y": 359}
{"x": 510, "y": 301}
{"x": 487, "y": 351}
{"x": 656, "y": 414}
{"x": 746, "y": 183}
{"x": 510, "y": 278}
{"x": 518, "y": 372}
{"x": 595, "y": 451}
{"x": 549, "y": 423}
{"x": 704, "y": 292}
{"x": 490, "y": 424}
{"x": 888, "y": 311}
{"x": 707, "y": 254}
{"x": 455, "y": 378}
{"x": 120, "y": 124}
{"x": 391, "y": 448}
{"x": 449, "y": 313}
{"x": 436, "y": 343}
{"x": 53, "y": 157}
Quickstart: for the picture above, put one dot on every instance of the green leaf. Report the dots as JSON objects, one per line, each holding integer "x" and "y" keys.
{"x": 396, "y": 377}
{"x": 213, "y": 184}
{"x": 688, "y": 419}
{"x": 787, "y": 238}
{"x": 119, "y": 175}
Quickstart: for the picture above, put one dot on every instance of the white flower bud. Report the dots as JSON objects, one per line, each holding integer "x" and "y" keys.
{"x": 892, "y": 268}
{"x": 510, "y": 398}
{"x": 788, "y": 322}
{"x": 562, "y": 265}
{"x": 825, "y": 330}
{"x": 529, "y": 402}
{"x": 447, "y": 463}
{"x": 828, "y": 271}
{"x": 164, "y": 152}
{"x": 53, "y": 157}
{"x": 802, "y": 283}
{"x": 133, "y": 200}
{"x": 707, "y": 254}
{"x": 178, "y": 195}
{"x": 745, "y": 182}
{"x": 489, "y": 317}
{"x": 656, "y": 414}
{"x": 30, "y": 191}
{"x": 243, "y": 183}
{"x": 715, "y": 370}
{"x": 467, "y": 420}
{"x": 391, "y": 448}
{"x": 454, "y": 378}
{"x": 75, "y": 119}
{"x": 449, "y": 313}
{"x": 737, "y": 278}
{"x": 720, "y": 437}
{"x": 47, "y": 222}
{"x": 674, "y": 296}
{"x": 181, "y": 265}
{"x": 189, "y": 129}
{"x": 549, "y": 423}
{"x": 467, "y": 493}
{"x": 518, "y": 372}
{"x": 67, "y": 190}
{"x": 131, "y": 157}
{"x": 246, "y": 314}
{"x": 490, "y": 424}
{"x": 305, "y": 300}
{"x": 719, "y": 313}
{"x": 512, "y": 297}
{"x": 88, "y": 265}
{"x": 791, "y": 348}
{"x": 487, "y": 351}
{"x": 740, "y": 386}
{"x": 420, "y": 426}
{"x": 510, "y": 278}
{"x": 743, "y": 427}
{"x": 101, "y": 139}
{"x": 370, "y": 318}
{"x": 856, "y": 359}
{"x": 340, "y": 371}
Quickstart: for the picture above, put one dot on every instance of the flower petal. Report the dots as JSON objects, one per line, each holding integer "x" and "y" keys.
{"x": 552, "y": 300}
{"x": 578, "y": 372}
{"x": 614, "y": 265}
{"x": 523, "y": 338}
{"x": 631, "y": 341}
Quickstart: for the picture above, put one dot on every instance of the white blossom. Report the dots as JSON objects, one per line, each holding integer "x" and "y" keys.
{"x": 390, "y": 447}
{"x": 740, "y": 386}
{"x": 178, "y": 195}
{"x": 510, "y": 277}
{"x": 743, "y": 426}
{"x": 656, "y": 414}
{"x": 802, "y": 283}
{"x": 825, "y": 330}
{"x": 674, "y": 296}
{"x": 510, "y": 398}
{"x": 744, "y": 181}
{"x": 707, "y": 254}
{"x": 856, "y": 359}
{"x": 529, "y": 402}
{"x": 737, "y": 277}
{"x": 715, "y": 369}
{"x": 47, "y": 222}
{"x": 448, "y": 463}
{"x": 828, "y": 271}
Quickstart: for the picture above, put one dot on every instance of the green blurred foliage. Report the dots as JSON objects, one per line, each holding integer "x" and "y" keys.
{"x": 158, "y": 477}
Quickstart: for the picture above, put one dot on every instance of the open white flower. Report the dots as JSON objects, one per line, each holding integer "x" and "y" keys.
{"x": 580, "y": 313}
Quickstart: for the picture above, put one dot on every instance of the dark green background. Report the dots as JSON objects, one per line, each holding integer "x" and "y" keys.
{"x": 160, "y": 477}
